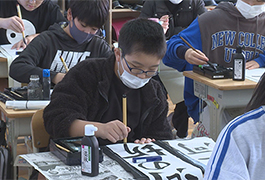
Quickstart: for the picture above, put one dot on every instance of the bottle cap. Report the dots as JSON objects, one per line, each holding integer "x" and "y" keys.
{"x": 34, "y": 77}
{"x": 90, "y": 130}
{"x": 46, "y": 73}
{"x": 239, "y": 49}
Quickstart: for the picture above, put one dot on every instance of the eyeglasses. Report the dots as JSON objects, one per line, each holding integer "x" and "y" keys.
{"x": 140, "y": 71}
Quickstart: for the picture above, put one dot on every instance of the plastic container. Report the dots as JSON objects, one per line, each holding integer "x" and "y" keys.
{"x": 90, "y": 152}
{"x": 46, "y": 84}
{"x": 34, "y": 91}
{"x": 239, "y": 65}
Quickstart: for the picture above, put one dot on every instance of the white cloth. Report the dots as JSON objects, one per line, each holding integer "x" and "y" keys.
{"x": 239, "y": 150}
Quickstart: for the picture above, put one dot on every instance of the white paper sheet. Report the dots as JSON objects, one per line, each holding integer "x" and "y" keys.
{"x": 10, "y": 55}
{"x": 170, "y": 166}
{"x": 254, "y": 74}
{"x": 199, "y": 148}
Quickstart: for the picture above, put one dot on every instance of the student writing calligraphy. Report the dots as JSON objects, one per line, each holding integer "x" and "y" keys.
{"x": 40, "y": 14}
{"x": 216, "y": 34}
{"x": 101, "y": 83}
{"x": 77, "y": 41}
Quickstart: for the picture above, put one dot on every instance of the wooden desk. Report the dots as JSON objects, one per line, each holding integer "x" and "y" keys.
{"x": 3, "y": 59}
{"x": 18, "y": 124}
{"x": 221, "y": 94}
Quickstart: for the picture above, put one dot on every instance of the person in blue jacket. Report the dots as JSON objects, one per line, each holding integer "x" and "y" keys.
{"x": 216, "y": 34}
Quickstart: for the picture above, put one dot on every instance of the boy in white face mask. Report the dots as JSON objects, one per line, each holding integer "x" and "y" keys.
{"x": 92, "y": 91}
{"x": 216, "y": 34}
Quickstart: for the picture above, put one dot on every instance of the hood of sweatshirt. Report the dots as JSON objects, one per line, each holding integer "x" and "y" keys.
{"x": 224, "y": 28}
{"x": 230, "y": 8}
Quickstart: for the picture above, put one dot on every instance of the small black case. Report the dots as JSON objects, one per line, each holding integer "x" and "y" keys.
{"x": 220, "y": 72}
{"x": 68, "y": 150}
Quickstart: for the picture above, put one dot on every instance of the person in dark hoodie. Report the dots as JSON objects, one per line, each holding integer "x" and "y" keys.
{"x": 216, "y": 34}
{"x": 178, "y": 13}
{"x": 75, "y": 42}
{"x": 175, "y": 16}
{"x": 100, "y": 84}
{"x": 40, "y": 14}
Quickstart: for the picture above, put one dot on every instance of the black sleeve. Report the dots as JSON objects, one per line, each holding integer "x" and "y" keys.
{"x": 71, "y": 99}
{"x": 55, "y": 13}
{"x": 181, "y": 51}
{"x": 199, "y": 8}
{"x": 148, "y": 9}
{"x": 105, "y": 50}
{"x": 28, "y": 61}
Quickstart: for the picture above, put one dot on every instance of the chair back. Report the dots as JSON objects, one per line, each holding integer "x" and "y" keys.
{"x": 40, "y": 137}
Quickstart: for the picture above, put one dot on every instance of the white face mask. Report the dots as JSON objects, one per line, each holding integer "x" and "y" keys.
{"x": 176, "y": 1}
{"x": 249, "y": 11}
{"x": 130, "y": 80}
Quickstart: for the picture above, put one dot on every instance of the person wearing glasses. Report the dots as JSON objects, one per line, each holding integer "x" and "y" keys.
{"x": 92, "y": 91}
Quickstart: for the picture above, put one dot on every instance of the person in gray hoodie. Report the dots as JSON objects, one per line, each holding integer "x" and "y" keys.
{"x": 75, "y": 42}
{"x": 216, "y": 34}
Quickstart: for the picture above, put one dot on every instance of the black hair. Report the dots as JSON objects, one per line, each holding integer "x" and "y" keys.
{"x": 93, "y": 13}
{"x": 142, "y": 35}
{"x": 258, "y": 96}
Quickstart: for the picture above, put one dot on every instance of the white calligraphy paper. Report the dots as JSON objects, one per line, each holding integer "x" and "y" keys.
{"x": 171, "y": 167}
{"x": 199, "y": 148}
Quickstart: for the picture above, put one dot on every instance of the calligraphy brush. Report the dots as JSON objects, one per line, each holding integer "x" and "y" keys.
{"x": 208, "y": 62}
{"x": 20, "y": 16}
{"x": 124, "y": 113}
{"x": 65, "y": 66}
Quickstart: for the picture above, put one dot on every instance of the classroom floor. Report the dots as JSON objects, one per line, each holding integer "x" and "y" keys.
{"x": 21, "y": 148}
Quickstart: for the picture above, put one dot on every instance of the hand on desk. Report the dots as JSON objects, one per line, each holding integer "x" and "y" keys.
{"x": 21, "y": 44}
{"x": 252, "y": 65}
{"x": 113, "y": 131}
{"x": 195, "y": 58}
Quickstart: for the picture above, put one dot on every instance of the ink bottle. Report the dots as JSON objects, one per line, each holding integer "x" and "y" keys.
{"x": 46, "y": 84}
{"x": 90, "y": 152}
{"x": 34, "y": 91}
{"x": 239, "y": 65}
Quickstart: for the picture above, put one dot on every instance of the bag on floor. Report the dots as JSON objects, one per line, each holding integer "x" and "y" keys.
{"x": 5, "y": 154}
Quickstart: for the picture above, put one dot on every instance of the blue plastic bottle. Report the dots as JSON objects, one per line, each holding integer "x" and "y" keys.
{"x": 46, "y": 84}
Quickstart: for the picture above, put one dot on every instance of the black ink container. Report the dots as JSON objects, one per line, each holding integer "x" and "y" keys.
{"x": 239, "y": 65}
{"x": 89, "y": 152}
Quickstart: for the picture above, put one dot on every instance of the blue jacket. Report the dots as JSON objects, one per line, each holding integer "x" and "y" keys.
{"x": 217, "y": 33}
